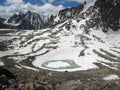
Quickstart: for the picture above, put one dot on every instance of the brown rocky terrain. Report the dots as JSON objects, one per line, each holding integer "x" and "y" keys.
{"x": 25, "y": 79}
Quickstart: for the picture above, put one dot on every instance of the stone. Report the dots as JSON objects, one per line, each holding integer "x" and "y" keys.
{"x": 3, "y": 80}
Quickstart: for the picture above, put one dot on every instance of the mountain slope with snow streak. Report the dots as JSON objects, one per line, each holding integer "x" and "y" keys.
{"x": 86, "y": 50}
{"x": 79, "y": 42}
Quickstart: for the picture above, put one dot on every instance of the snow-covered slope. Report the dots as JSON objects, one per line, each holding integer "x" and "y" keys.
{"x": 88, "y": 51}
{"x": 78, "y": 43}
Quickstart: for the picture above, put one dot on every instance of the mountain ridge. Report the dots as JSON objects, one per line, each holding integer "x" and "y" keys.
{"x": 102, "y": 14}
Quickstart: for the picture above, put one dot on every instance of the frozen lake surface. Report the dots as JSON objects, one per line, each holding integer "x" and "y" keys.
{"x": 59, "y": 64}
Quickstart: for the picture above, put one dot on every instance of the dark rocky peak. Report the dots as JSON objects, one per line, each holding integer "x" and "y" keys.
{"x": 20, "y": 13}
{"x": 109, "y": 12}
{"x": 2, "y": 19}
{"x": 70, "y": 12}
{"x": 31, "y": 15}
{"x": 103, "y": 14}
{"x": 29, "y": 20}
{"x": 29, "y": 12}
{"x": 38, "y": 21}
{"x": 50, "y": 21}
{"x": 2, "y": 25}
{"x": 15, "y": 19}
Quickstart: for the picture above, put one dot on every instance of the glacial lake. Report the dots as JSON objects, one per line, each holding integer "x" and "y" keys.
{"x": 60, "y": 64}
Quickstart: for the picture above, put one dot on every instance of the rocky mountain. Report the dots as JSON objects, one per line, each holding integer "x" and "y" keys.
{"x": 2, "y": 19}
{"x": 70, "y": 12}
{"x": 29, "y": 20}
{"x": 2, "y": 25}
{"x": 109, "y": 11}
{"x": 103, "y": 13}
{"x": 15, "y": 20}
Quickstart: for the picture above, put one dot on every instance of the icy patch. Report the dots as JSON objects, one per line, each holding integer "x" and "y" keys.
{"x": 68, "y": 14}
{"x": 1, "y": 64}
{"x": 29, "y": 68}
{"x": 111, "y": 77}
{"x": 56, "y": 19}
{"x": 57, "y": 64}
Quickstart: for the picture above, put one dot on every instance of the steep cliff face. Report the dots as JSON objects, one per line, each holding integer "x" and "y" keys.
{"x": 35, "y": 20}
{"x": 2, "y": 25}
{"x": 15, "y": 19}
{"x": 70, "y": 12}
{"x": 101, "y": 13}
{"x": 105, "y": 14}
{"x": 110, "y": 13}
{"x": 29, "y": 20}
{"x": 2, "y": 19}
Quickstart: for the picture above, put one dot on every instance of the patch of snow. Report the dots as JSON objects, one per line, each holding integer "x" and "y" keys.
{"x": 114, "y": 68}
{"x": 88, "y": 4}
{"x": 1, "y": 63}
{"x": 29, "y": 68}
{"x": 57, "y": 18}
{"x": 4, "y": 53}
{"x": 111, "y": 77}
{"x": 18, "y": 67}
{"x": 68, "y": 13}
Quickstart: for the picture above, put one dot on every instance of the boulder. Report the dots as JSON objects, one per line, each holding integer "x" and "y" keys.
{"x": 7, "y": 73}
{"x": 4, "y": 80}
